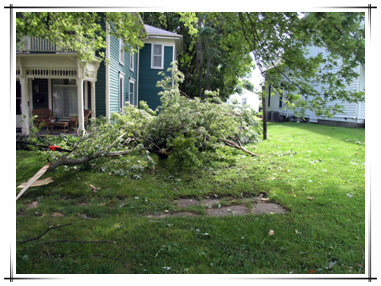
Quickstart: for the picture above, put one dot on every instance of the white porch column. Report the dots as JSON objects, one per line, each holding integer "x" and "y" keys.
{"x": 93, "y": 114}
{"x": 81, "y": 116}
{"x": 25, "y": 105}
{"x": 86, "y": 95}
{"x": 108, "y": 56}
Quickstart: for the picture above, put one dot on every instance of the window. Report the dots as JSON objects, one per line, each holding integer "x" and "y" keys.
{"x": 65, "y": 101}
{"x": 18, "y": 98}
{"x": 132, "y": 63}
{"x": 121, "y": 90}
{"x": 121, "y": 52}
{"x": 244, "y": 101}
{"x": 131, "y": 92}
{"x": 157, "y": 56}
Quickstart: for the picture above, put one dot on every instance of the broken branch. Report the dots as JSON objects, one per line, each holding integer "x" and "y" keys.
{"x": 46, "y": 231}
{"x": 237, "y": 146}
{"x": 79, "y": 241}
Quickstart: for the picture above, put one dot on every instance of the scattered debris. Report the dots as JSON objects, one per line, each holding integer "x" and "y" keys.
{"x": 91, "y": 186}
{"x": 332, "y": 263}
{"x": 57, "y": 214}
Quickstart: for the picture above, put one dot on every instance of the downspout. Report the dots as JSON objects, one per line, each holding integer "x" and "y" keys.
{"x": 358, "y": 89}
{"x": 107, "y": 66}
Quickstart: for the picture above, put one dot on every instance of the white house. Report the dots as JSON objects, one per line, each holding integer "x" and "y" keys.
{"x": 247, "y": 97}
{"x": 354, "y": 113}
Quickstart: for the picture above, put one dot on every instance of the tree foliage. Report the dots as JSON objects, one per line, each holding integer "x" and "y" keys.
{"x": 217, "y": 47}
{"x": 80, "y": 32}
{"x": 281, "y": 41}
{"x": 216, "y": 57}
{"x": 213, "y": 56}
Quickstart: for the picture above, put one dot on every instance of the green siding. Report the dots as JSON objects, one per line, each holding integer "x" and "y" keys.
{"x": 100, "y": 91}
{"x": 100, "y": 86}
{"x": 115, "y": 69}
{"x": 149, "y": 77}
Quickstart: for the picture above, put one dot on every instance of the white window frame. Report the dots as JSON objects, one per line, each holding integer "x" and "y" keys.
{"x": 121, "y": 52}
{"x": 132, "y": 61}
{"x": 153, "y": 55}
{"x": 121, "y": 90}
{"x": 131, "y": 81}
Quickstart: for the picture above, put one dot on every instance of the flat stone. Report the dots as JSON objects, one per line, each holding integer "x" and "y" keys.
{"x": 163, "y": 215}
{"x": 262, "y": 207}
{"x": 228, "y": 211}
{"x": 186, "y": 202}
{"x": 210, "y": 202}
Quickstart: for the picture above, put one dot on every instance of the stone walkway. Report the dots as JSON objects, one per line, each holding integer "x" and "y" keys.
{"x": 216, "y": 208}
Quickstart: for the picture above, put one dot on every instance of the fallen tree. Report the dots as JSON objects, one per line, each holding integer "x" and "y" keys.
{"x": 188, "y": 131}
{"x": 181, "y": 128}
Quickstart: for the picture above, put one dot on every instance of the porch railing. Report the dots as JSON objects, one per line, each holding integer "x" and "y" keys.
{"x": 35, "y": 44}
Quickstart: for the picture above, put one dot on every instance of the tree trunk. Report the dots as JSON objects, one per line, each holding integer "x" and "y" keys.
{"x": 208, "y": 62}
{"x": 201, "y": 59}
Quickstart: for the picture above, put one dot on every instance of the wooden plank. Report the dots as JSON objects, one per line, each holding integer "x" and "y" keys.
{"x": 37, "y": 183}
{"x": 34, "y": 179}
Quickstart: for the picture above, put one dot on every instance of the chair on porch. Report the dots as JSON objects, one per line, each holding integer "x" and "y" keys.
{"x": 74, "y": 119}
{"x": 43, "y": 115}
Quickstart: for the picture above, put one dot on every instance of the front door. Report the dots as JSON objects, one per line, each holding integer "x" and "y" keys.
{"x": 18, "y": 105}
{"x": 40, "y": 92}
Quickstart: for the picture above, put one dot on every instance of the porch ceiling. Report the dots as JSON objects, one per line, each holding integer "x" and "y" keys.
{"x": 54, "y": 66}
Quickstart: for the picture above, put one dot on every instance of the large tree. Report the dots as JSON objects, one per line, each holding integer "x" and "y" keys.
{"x": 280, "y": 43}
{"x": 215, "y": 56}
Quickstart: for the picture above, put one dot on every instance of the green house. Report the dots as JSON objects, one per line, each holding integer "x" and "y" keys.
{"x": 55, "y": 82}
{"x": 160, "y": 50}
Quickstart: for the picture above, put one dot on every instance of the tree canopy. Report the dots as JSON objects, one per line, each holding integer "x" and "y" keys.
{"x": 281, "y": 41}
{"x": 217, "y": 48}
{"x": 217, "y": 56}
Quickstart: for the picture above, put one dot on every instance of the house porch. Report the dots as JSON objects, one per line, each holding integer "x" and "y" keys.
{"x": 58, "y": 82}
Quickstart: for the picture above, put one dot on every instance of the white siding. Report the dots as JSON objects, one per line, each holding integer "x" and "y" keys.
{"x": 353, "y": 112}
{"x": 252, "y": 99}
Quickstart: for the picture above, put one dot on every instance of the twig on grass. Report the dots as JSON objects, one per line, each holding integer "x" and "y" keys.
{"x": 46, "y": 231}
{"x": 79, "y": 241}
{"x": 48, "y": 255}
{"x": 115, "y": 258}
{"x": 63, "y": 240}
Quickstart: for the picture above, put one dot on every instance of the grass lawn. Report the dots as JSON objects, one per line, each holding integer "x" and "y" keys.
{"x": 316, "y": 172}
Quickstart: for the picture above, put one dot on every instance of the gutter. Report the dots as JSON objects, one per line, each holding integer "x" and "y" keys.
{"x": 358, "y": 89}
